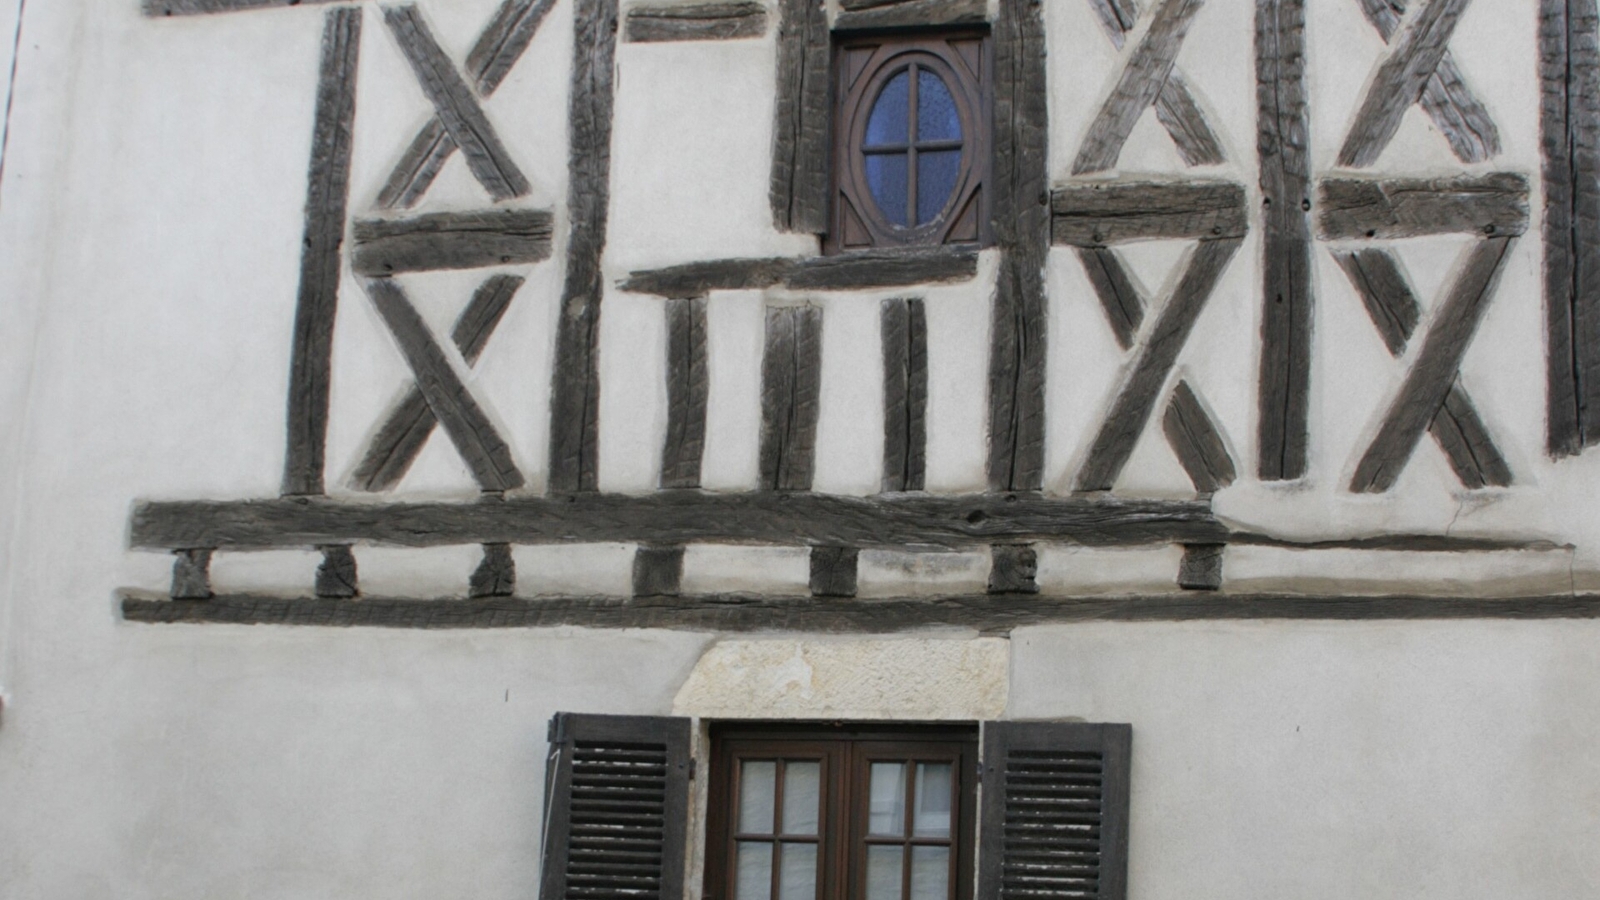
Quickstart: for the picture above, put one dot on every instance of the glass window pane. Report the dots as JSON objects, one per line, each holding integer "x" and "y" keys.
{"x": 891, "y": 113}
{"x": 937, "y": 117}
{"x": 930, "y": 873}
{"x": 932, "y": 816}
{"x": 883, "y": 872}
{"x": 802, "y": 795}
{"x": 886, "y": 178}
{"x": 753, "y": 871}
{"x": 936, "y": 181}
{"x": 797, "y": 875}
{"x": 758, "y": 781}
{"x": 887, "y": 814}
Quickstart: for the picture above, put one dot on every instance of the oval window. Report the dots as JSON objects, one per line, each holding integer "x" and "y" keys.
{"x": 912, "y": 147}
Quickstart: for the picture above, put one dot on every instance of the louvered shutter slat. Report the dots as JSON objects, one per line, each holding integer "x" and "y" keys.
{"x": 618, "y": 801}
{"x": 1055, "y": 811}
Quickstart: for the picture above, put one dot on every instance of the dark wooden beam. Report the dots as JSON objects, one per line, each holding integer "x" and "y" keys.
{"x": 1494, "y": 205}
{"x": 327, "y": 194}
{"x": 799, "y": 186}
{"x": 336, "y": 574}
{"x": 1142, "y": 81}
{"x": 496, "y": 575}
{"x": 688, "y": 386}
{"x": 451, "y": 240}
{"x": 1021, "y": 221}
{"x": 481, "y": 447}
{"x": 1136, "y": 399}
{"x": 988, "y": 614}
{"x": 849, "y": 271}
{"x": 156, "y": 8}
{"x": 1414, "y": 57}
{"x": 657, "y": 571}
{"x": 1283, "y": 124}
{"x": 455, "y": 105}
{"x": 833, "y": 571}
{"x": 1434, "y": 374}
{"x": 896, "y": 521}
{"x": 575, "y": 384}
{"x": 696, "y": 22}
{"x": 191, "y": 574}
{"x": 1122, "y": 302}
{"x": 1176, "y": 108}
{"x": 406, "y": 430}
{"x": 1569, "y": 74}
{"x": 1097, "y": 215}
{"x": 905, "y": 395}
{"x": 911, "y": 14}
{"x": 1201, "y": 567}
{"x": 1197, "y": 441}
{"x": 498, "y": 48}
{"x": 791, "y": 393}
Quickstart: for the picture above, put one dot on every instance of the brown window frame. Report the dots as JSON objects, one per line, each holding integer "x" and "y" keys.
{"x": 846, "y": 752}
{"x": 862, "y": 64}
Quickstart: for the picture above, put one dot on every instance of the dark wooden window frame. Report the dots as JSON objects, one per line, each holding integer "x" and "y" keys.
{"x": 862, "y": 63}
{"x": 846, "y": 751}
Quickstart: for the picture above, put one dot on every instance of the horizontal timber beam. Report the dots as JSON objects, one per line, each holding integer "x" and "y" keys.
{"x": 696, "y": 22}
{"x": 892, "y": 521}
{"x": 1101, "y": 214}
{"x": 989, "y": 613}
{"x": 1494, "y": 205}
{"x": 157, "y": 8}
{"x": 848, "y": 271}
{"x": 453, "y": 240}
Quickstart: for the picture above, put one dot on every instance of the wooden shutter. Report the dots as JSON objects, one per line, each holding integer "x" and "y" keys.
{"x": 1055, "y": 811}
{"x": 616, "y": 808}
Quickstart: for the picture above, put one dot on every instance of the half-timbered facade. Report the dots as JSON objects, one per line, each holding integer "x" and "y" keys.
{"x": 862, "y": 450}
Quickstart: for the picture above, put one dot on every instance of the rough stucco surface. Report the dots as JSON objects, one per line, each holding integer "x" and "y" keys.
{"x": 1323, "y": 762}
{"x": 850, "y": 679}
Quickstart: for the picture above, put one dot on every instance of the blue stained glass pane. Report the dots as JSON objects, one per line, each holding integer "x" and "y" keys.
{"x": 889, "y": 122}
{"x": 937, "y": 118}
{"x": 886, "y": 178}
{"x": 936, "y": 179}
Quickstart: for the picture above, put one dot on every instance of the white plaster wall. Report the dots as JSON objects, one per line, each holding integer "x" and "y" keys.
{"x": 150, "y": 216}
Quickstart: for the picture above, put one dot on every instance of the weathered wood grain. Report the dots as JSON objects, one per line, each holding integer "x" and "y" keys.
{"x": 395, "y": 445}
{"x": 696, "y": 22}
{"x": 336, "y": 574}
{"x": 1456, "y": 427}
{"x": 450, "y": 240}
{"x": 657, "y": 571}
{"x": 575, "y": 384}
{"x": 905, "y": 394}
{"x": 201, "y": 7}
{"x": 913, "y": 14}
{"x": 1176, "y": 108}
{"x": 833, "y": 571}
{"x": 1021, "y": 223}
{"x": 1434, "y": 373}
{"x": 1123, "y": 305}
{"x": 1569, "y": 74}
{"x": 496, "y": 575}
{"x": 1201, "y": 567}
{"x": 900, "y": 521}
{"x": 799, "y": 187}
{"x": 498, "y": 48}
{"x": 1097, "y": 215}
{"x": 988, "y": 614}
{"x": 1447, "y": 100}
{"x": 474, "y": 436}
{"x": 1356, "y": 209}
{"x": 791, "y": 389}
{"x": 849, "y": 271}
{"x": 1013, "y": 569}
{"x": 191, "y": 574}
{"x": 327, "y": 195}
{"x": 1114, "y": 442}
{"x": 1410, "y": 543}
{"x": 1413, "y": 59}
{"x": 688, "y": 385}
{"x": 1282, "y": 139}
{"x": 455, "y": 105}
{"x": 1141, "y": 82}
{"x": 1197, "y": 442}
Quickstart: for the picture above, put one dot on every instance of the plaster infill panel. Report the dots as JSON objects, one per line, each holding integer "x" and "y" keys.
{"x": 929, "y": 678}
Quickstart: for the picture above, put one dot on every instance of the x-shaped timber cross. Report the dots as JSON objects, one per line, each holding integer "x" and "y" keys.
{"x": 1495, "y": 208}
